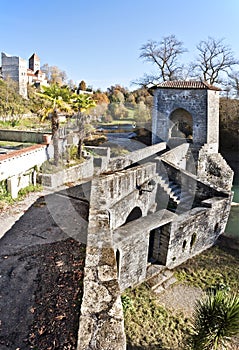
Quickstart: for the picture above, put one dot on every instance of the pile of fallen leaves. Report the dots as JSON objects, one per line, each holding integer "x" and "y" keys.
{"x": 58, "y": 297}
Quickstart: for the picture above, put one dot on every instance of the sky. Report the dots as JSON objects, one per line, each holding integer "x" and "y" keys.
{"x": 99, "y": 41}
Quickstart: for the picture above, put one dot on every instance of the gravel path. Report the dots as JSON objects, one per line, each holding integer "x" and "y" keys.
{"x": 180, "y": 298}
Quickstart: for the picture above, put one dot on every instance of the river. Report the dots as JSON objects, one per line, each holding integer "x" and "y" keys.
{"x": 232, "y": 158}
{"x": 232, "y": 228}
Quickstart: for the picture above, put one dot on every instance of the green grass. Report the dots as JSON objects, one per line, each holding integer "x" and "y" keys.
{"x": 150, "y": 326}
{"x": 210, "y": 269}
{"x": 12, "y": 144}
{"x": 31, "y": 123}
{"x": 6, "y": 199}
{"x": 119, "y": 121}
{"x": 49, "y": 167}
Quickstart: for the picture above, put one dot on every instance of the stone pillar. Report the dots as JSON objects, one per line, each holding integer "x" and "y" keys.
{"x": 34, "y": 177}
{"x": 101, "y": 322}
{"x": 12, "y": 186}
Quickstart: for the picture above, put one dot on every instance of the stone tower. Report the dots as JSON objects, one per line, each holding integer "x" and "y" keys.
{"x": 186, "y": 111}
{"x": 34, "y": 63}
{"x": 15, "y": 68}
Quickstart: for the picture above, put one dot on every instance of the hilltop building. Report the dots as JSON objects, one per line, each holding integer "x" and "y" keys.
{"x": 22, "y": 72}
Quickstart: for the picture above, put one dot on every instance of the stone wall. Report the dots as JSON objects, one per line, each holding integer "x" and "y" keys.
{"x": 197, "y": 230}
{"x": 196, "y": 186}
{"x": 101, "y": 158}
{"x": 203, "y": 106}
{"x": 213, "y": 119}
{"x": 120, "y": 163}
{"x": 178, "y": 156}
{"x": 101, "y": 322}
{"x": 21, "y": 136}
{"x": 19, "y": 167}
{"x": 15, "y": 68}
{"x": 131, "y": 241}
{"x": 213, "y": 169}
{"x": 74, "y": 173}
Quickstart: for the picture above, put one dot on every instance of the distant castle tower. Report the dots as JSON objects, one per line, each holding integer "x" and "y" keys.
{"x": 34, "y": 63}
{"x": 15, "y": 68}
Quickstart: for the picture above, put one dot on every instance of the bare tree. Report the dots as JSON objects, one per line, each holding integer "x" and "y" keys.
{"x": 234, "y": 81}
{"x": 214, "y": 62}
{"x": 54, "y": 74}
{"x": 164, "y": 56}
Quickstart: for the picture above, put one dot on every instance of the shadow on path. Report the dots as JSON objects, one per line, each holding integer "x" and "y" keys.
{"x": 41, "y": 273}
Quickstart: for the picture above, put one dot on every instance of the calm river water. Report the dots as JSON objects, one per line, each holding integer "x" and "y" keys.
{"x": 232, "y": 228}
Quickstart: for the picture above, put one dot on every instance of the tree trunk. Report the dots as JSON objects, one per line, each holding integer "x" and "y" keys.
{"x": 79, "y": 149}
{"x": 55, "y": 136}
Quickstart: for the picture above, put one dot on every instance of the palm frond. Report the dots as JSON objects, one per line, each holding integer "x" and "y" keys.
{"x": 216, "y": 320}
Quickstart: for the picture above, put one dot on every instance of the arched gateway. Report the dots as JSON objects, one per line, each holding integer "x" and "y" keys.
{"x": 181, "y": 124}
{"x": 186, "y": 110}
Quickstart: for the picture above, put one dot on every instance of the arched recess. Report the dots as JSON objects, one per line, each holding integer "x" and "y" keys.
{"x": 133, "y": 215}
{"x": 181, "y": 124}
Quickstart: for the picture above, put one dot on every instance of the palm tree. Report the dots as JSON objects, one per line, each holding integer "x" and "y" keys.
{"x": 216, "y": 321}
{"x": 59, "y": 99}
{"x": 81, "y": 103}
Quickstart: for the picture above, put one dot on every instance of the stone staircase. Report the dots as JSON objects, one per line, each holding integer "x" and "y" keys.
{"x": 170, "y": 187}
{"x": 159, "y": 278}
{"x": 176, "y": 193}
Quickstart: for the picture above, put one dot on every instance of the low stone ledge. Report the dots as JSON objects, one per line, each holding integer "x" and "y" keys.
{"x": 121, "y": 163}
{"x": 72, "y": 174}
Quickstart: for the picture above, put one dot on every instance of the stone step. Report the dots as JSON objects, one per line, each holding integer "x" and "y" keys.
{"x": 161, "y": 287}
{"x": 154, "y": 269}
{"x": 159, "y": 278}
{"x": 186, "y": 198}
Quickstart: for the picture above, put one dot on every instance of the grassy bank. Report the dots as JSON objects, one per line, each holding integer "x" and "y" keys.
{"x": 150, "y": 326}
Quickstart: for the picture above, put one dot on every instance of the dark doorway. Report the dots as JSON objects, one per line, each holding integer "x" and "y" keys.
{"x": 158, "y": 245}
{"x": 151, "y": 257}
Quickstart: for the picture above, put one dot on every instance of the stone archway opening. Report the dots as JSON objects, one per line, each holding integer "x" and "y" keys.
{"x": 181, "y": 124}
{"x": 133, "y": 215}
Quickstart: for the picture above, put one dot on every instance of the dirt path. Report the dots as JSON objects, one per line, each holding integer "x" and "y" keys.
{"x": 180, "y": 298}
{"x": 41, "y": 271}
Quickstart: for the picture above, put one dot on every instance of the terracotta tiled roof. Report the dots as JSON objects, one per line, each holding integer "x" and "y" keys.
{"x": 187, "y": 84}
{"x": 39, "y": 72}
{"x": 30, "y": 72}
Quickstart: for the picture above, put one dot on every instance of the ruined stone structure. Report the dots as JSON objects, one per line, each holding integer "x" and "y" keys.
{"x": 154, "y": 209}
{"x": 15, "y": 68}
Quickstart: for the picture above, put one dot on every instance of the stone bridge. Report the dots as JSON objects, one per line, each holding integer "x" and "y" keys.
{"x": 148, "y": 213}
